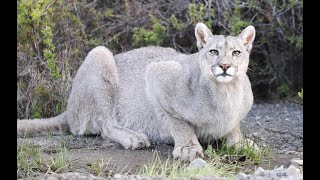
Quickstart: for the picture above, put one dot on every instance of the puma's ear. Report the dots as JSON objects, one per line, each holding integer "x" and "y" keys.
{"x": 202, "y": 32}
{"x": 248, "y": 35}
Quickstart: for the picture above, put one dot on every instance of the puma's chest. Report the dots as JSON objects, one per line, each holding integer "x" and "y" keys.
{"x": 215, "y": 116}
{"x": 223, "y": 111}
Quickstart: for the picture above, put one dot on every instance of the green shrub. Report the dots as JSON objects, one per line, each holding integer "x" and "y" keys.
{"x": 300, "y": 94}
{"x": 52, "y": 41}
{"x": 154, "y": 36}
{"x": 283, "y": 90}
{"x": 197, "y": 13}
{"x": 35, "y": 19}
{"x": 177, "y": 24}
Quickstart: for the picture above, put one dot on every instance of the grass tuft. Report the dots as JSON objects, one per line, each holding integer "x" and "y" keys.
{"x": 30, "y": 163}
{"x": 171, "y": 168}
{"x": 246, "y": 153}
{"x": 59, "y": 163}
{"x": 221, "y": 161}
{"x": 100, "y": 168}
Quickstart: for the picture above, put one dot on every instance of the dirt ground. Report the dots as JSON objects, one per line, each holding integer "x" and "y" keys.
{"x": 278, "y": 125}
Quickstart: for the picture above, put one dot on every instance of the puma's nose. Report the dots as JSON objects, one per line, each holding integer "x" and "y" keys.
{"x": 224, "y": 66}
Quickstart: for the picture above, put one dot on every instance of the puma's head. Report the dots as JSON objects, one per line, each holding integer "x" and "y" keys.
{"x": 222, "y": 58}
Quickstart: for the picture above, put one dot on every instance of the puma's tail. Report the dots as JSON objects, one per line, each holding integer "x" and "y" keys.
{"x": 37, "y": 127}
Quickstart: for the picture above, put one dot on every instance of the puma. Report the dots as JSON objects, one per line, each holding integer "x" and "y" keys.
{"x": 158, "y": 94}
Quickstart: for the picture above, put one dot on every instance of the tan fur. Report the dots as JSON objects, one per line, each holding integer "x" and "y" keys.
{"x": 158, "y": 94}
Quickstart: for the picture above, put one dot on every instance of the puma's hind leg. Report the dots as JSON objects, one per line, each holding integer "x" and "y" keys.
{"x": 124, "y": 136}
{"x": 100, "y": 99}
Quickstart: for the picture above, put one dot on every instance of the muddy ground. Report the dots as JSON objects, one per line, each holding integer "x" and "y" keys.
{"x": 279, "y": 125}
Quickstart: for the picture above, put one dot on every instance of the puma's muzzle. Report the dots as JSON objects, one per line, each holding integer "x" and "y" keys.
{"x": 224, "y": 73}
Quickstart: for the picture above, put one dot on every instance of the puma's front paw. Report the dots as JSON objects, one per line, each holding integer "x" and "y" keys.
{"x": 135, "y": 141}
{"x": 187, "y": 153}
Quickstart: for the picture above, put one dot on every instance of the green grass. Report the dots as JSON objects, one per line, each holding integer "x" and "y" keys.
{"x": 100, "y": 168}
{"x": 246, "y": 153}
{"x": 300, "y": 93}
{"x": 59, "y": 163}
{"x": 30, "y": 163}
{"x": 171, "y": 168}
{"x": 222, "y": 161}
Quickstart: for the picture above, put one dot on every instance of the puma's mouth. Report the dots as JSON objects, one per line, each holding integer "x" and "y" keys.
{"x": 224, "y": 78}
{"x": 224, "y": 74}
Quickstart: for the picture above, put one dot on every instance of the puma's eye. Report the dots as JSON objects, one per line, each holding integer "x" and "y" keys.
{"x": 214, "y": 52}
{"x": 236, "y": 53}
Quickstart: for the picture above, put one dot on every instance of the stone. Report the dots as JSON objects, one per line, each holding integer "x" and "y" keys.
{"x": 291, "y": 152}
{"x": 197, "y": 163}
{"x": 259, "y": 172}
{"x": 297, "y": 162}
{"x": 278, "y": 173}
{"x": 292, "y": 170}
{"x": 241, "y": 176}
{"x": 117, "y": 176}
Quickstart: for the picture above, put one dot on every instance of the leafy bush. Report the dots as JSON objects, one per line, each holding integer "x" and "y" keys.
{"x": 155, "y": 36}
{"x": 53, "y": 40}
{"x": 300, "y": 94}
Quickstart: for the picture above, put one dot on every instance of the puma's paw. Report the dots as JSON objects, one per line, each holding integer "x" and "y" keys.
{"x": 187, "y": 153}
{"x": 247, "y": 144}
{"x": 135, "y": 141}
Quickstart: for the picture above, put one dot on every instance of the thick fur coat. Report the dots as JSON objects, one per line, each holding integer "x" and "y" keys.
{"x": 157, "y": 94}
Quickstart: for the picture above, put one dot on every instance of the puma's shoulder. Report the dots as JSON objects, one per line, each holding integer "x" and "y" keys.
{"x": 163, "y": 75}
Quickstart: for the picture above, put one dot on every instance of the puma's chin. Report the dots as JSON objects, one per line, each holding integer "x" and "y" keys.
{"x": 224, "y": 78}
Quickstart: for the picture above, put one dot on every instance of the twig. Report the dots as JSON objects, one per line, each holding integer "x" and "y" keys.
{"x": 46, "y": 9}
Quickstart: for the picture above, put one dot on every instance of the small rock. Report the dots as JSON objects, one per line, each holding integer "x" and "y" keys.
{"x": 278, "y": 168}
{"x": 259, "y": 172}
{"x": 297, "y": 162}
{"x": 117, "y": 176}
{"x": 241, "y": 176}
{"x": 197, "y": 163}
{"x": 292, "y": 170}
{"x": 255, "y": 134}
{"x": 258, "y": 178}
{"x": 198, "y": 178}
{"x": 52, "y": 178}
{"x": 291, "y": 152}
{"x": 278, "y": 173}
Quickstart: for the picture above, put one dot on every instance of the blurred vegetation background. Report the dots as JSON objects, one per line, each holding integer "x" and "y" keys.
{"x": 54, "y": 36}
